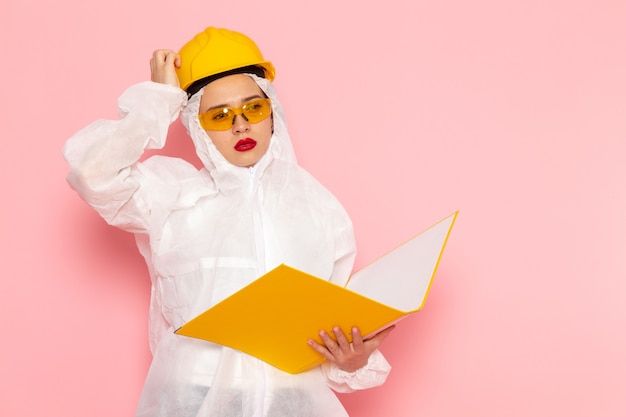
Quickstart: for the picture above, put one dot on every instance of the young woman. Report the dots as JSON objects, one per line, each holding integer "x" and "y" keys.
{"x": 207, "y": 233}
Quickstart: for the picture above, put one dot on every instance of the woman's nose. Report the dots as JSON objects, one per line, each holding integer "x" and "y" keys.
{"x": 240, "y": 124}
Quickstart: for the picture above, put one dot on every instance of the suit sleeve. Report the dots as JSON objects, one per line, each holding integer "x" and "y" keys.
{"x": 104, "y": 156}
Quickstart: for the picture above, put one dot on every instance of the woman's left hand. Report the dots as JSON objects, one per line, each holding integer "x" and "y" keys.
{"x": 348, "y": 356}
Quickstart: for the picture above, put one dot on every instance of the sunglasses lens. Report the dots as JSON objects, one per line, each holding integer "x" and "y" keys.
{"x": 256, "y": 110}
{"x": 217, "y": 119}
{"x": 222, "y": 118}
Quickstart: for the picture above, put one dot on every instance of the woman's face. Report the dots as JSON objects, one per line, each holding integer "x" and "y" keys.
{"x": 244, "y": 143}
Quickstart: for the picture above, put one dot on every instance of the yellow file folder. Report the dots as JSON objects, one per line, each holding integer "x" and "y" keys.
{"x": 273, "y": 317}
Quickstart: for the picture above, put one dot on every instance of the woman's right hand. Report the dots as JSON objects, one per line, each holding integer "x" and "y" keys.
{"x": 163, "y": 66}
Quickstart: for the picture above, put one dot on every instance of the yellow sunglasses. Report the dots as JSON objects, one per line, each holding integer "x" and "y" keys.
{"x": 223, "y": 118}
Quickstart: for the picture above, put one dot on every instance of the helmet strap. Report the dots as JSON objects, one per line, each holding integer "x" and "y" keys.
{"x": 201, "y": 83}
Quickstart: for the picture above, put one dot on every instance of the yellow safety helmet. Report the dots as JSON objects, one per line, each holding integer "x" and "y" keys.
{"x": 215, "y": 51}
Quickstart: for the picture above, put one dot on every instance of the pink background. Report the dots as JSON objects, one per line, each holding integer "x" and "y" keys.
{"x": 512, "y": 112}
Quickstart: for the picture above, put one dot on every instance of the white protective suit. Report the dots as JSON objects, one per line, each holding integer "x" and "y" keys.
{"x": 205, "y": 234}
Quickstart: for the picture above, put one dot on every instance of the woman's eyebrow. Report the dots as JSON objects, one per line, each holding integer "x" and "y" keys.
{"x": 245, "y": 100}
{"x": 251, "y": 98}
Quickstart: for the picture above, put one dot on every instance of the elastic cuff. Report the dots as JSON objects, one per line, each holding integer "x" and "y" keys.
{"x": 371, "y": 375}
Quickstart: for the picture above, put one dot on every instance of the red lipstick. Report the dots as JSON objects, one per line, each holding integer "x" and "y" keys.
{"x": 245, "y": 145}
